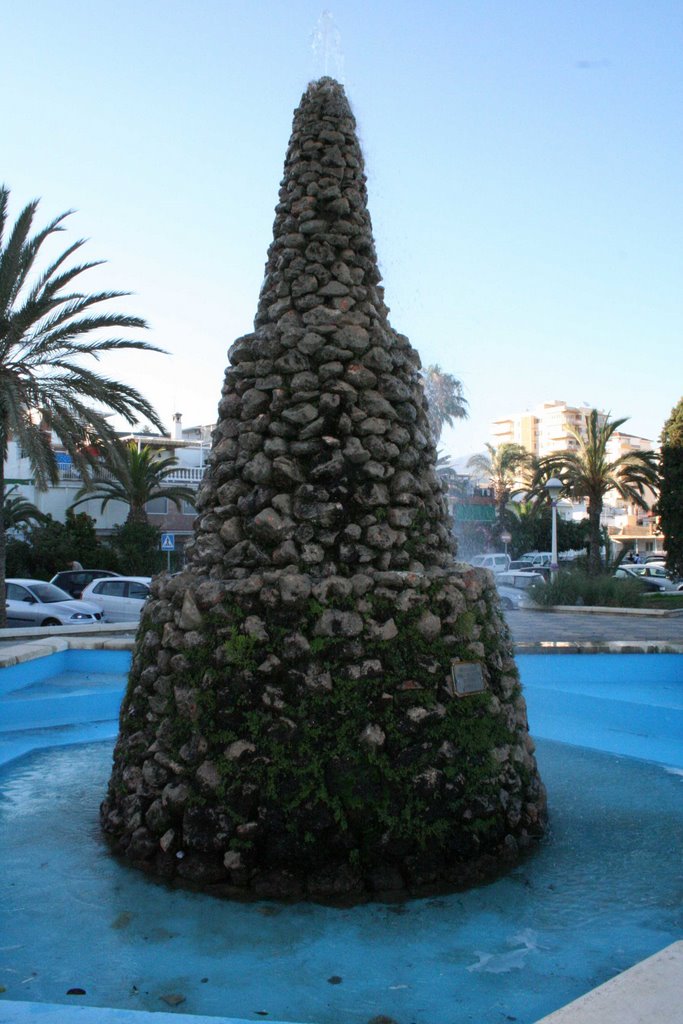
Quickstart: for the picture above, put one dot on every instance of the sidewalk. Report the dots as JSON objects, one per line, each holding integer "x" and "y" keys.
{"x": 587, "y": 626}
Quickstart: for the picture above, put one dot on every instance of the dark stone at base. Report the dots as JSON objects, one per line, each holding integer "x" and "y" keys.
{"x": 337, "y": 885}
{"x": 386, "y": 879}
{"x": 335, "y": 882}
{"x": 277, "y": 885}
{"x": 201, "y": 869}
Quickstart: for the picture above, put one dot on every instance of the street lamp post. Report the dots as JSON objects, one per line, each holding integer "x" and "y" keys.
{"x": 553, "y": 487}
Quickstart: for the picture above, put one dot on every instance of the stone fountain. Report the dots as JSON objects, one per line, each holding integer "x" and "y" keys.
{"x": 324, "y": 704}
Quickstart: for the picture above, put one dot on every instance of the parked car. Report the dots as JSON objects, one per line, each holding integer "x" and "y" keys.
{"x": 74, "y": 581}
{"x": 513, "y": 589}
{"x": 38, "y": 603}
{"x": 521, "y": 580}
{"x": 495, "y": 562}
{"x": 652, "y": 577}
{"x": 537, "y": 558}
{"x": 121, "y": 598}
{"x": 520, "y": 566}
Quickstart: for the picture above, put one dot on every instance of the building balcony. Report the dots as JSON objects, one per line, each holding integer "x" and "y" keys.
{"x": 189, "y": 476}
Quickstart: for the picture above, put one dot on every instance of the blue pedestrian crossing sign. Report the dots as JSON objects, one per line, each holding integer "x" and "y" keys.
{"x": 168, "y": 542}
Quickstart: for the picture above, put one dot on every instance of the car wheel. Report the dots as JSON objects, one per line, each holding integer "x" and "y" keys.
{"x": 50, "y": 622}
{"x": 506, "y": 603}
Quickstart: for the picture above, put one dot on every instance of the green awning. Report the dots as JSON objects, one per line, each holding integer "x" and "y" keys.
{"x": 474, "y": 513}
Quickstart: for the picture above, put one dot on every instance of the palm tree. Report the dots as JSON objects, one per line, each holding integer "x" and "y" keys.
{"x": 19, "y": 511}
{"x": 670, "y": 505}
{"x": 588, "y": 472}
{"x": 502, "y": 467}
{"x": 445, "y": 398}
{"x": 47, "y": 329}
{"x": 134, "y": 476}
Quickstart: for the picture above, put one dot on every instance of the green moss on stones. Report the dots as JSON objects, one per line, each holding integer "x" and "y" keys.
{"x": 424, "y": 779}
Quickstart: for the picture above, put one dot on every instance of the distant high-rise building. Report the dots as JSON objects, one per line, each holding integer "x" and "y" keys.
{"x": 547, "y": 429}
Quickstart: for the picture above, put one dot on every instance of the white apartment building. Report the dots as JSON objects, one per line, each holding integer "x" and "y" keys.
{"x": 547, "y": 429}
{"x": 190, "y": 452}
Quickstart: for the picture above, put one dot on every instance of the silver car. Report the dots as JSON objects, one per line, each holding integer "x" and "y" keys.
{"x": 513, "y": 589}
{"x": 653, "y": 577}
{"x": 36, "y": 603}
{"x": 120, "y": 598}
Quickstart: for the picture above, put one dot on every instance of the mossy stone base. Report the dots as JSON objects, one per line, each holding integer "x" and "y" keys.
{"x": 287, "y": 737}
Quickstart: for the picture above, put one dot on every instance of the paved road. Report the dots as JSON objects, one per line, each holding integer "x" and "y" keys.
{"x": 536, "y": 627}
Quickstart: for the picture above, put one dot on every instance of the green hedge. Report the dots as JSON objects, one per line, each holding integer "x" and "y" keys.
{"x": 576, "y": 587}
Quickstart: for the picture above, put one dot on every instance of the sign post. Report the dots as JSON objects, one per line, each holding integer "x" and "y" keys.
{"x": 168, "y": 545}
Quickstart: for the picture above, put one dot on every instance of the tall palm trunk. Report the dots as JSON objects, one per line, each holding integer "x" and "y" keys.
{"x": 137, "y": 514}
{"x": 3, "y": 541}
{"x": 594, "y": 513}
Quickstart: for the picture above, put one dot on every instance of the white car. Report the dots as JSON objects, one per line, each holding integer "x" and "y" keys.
{"x": 513, "y": 589}
{"x": 653, "y": 577}
{"x": 37, "y": 603}
{"x": 495, "y": 562}
{"x": 120, "y": 598}
{"x": 537, "y": 558}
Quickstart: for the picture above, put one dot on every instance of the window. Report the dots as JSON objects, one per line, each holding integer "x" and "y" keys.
{"x": 16, "y": 593}
{"x": 188, "y": 508}
{"x": 111, "y": 588}
{"x": 138, "y": 590}
{"x": 157, "y": 506}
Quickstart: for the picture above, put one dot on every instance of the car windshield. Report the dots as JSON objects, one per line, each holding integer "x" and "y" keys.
{"x": 47, "y": 593}
{"x": 519, "y": 580}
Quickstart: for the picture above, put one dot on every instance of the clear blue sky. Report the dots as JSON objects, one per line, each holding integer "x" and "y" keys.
{"x": 524, "y": 165}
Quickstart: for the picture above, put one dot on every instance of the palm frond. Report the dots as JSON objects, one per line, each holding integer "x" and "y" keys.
{"x": 135, "y": 478}
{"x": 45, "y": 333}
{"x": 14, "y": 259}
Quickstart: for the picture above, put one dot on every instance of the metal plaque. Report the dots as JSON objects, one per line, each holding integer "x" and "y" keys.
{"x": 467, "y": 678}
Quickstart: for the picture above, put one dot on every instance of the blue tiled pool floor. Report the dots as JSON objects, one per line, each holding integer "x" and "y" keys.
{"x": 601, "y": 892}
{"x": 628, "y": 704}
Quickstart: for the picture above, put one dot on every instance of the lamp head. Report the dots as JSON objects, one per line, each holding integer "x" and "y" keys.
{"x": 553, "y": 487}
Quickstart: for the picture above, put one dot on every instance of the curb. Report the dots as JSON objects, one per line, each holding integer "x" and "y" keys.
{"x": 596, "y": 609}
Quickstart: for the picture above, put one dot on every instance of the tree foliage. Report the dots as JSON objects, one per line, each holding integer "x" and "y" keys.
{"x": 134, "y": 476}
{"x": 49, "y": 329}
{"x": 445, "y": 399}
{"x": 530, "y": 525}
{"x": 502, "y": 467}
{"x": 588, "y": 472}
{"x": 135, "y": 549}
{"x": 18, "y": 511}
{"x": 670, "y": 506}
{"x": 49, "y": 546}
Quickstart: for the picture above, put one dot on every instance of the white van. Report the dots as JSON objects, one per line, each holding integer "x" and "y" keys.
{"x": 537, "y": 558}
{"x": 496, "y": 563}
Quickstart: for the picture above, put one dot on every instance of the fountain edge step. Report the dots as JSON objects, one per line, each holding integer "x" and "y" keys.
{"x": 648, "y": 991}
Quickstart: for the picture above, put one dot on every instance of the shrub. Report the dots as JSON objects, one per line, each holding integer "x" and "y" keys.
{"x": 134, "y": 550}
{"x": 50, "y": 546}
{"x": 576, "y": 587}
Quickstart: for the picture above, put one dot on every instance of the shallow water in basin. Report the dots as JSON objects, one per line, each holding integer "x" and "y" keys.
{"x": 604, "y": 890}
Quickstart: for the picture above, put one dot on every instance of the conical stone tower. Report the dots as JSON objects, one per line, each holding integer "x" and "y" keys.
{"x": 293, "y": 725}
